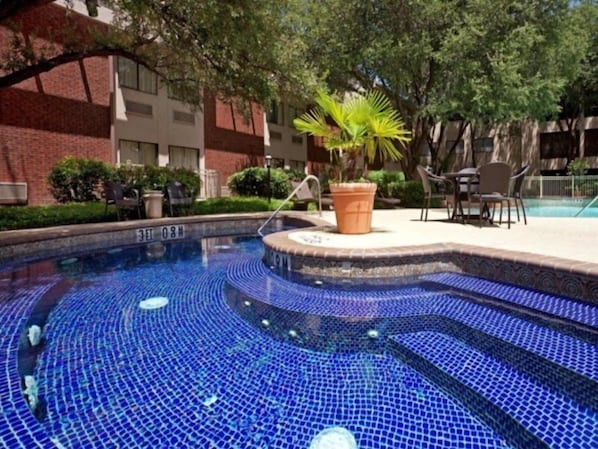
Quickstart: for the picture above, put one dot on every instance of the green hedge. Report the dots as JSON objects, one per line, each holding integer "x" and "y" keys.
{"x": 253, "y": 181}
{"x": 73, "y": 179}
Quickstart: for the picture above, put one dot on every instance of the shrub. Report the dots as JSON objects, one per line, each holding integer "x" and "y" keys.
{"x": 388, "y": 181}
{"x": 151, "y": 177}
{"x": 73, "y": 179}
{"x": 411, "y": 194}
{"x": 253, "y": 181}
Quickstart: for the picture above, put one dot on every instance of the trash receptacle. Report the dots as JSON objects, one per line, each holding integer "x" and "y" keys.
{"x": 153, "y": 204}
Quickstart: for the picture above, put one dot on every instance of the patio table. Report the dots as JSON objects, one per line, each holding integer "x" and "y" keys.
{"x": 455, "y": 178}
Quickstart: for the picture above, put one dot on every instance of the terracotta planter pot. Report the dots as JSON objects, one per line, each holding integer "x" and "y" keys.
{"x": 353, "y": 205}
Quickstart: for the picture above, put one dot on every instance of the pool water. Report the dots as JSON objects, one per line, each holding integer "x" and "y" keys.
{"x": 241, "y": 357}
{"x": 566, "y": 207}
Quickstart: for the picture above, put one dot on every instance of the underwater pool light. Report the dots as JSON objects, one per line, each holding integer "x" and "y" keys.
{"x": 153, "y": 303}
{"x": 334, "y": 438}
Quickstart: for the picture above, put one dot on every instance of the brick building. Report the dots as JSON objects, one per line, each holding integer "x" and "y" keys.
{"x": 112, "y": 109}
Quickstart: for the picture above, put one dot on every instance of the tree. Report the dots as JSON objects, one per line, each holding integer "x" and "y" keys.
{"x": 580, "y": 96}
{"x": 213, "y": 45}
{"x": 478, "y": 62}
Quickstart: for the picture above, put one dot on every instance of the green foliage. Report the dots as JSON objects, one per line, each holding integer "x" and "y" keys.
{"x": 364, "y": 125}
{"x": 441, "y": 60}
{"x": 236, "y": 204}
{"x": 151, "y": 177}
{"x": 194, "y": 46}
{"x": 578, "y": 167}
{"x": 73, "y": 179}
{"x": 253, "y": 181}
{"x": 27, "y": 217}
{"x": 388, "y": 181}
{"x": 411, "y": 193}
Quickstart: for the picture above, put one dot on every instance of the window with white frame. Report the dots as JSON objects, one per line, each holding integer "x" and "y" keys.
{"x": 275, "y": 113}
{"x": 183, "y": 157}
{"x": 135, "y": 76}
{"x": 483, "y": 145}
{"x": 138, "y": 153}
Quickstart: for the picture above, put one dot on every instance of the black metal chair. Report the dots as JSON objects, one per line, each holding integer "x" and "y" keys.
{"x": 114, "y": 194}
{"x": 177, "y": 196}
{"x": 428, "y": 179}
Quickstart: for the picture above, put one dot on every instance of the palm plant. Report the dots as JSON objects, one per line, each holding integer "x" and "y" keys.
{"x": 363, "y": 125}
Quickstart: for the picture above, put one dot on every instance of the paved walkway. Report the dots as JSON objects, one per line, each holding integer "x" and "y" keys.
{"x": 568, "y": 238}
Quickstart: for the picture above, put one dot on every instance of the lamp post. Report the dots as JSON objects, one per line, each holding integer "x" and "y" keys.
{"x": 268, "y": 165}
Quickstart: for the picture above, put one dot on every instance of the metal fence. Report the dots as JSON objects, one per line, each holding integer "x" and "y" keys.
{"x": 561, "y": 186}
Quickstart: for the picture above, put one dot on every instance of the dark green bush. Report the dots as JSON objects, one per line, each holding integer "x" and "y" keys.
{"x": 73, "y": 179}
{"x": 411, "y": 194}
{"x": 253, "y": 181}
{"x": 388, "y": 181}
{"x": 151, "y": 177}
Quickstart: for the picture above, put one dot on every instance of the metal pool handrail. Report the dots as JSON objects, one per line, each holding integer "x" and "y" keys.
{"x": 307, "y": 178}
{"x": 586, "y": 206}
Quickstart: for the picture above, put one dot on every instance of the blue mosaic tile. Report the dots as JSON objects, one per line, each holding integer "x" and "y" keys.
{"x": 196, "y": 373}
{"x": 256, "y": 281}
{"x": 546, "y": 414}
{"x": 558, "y": 306}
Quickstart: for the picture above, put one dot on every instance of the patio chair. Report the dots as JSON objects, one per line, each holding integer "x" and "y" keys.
{"x": 386, "y": 202}
{"x": 517, "y": 191}
{"x": 428, "y": 179}
{"x": 177, "y": 196}
{"x": 116, "y": 194}
{"x": 494, "y": 183}
{"x": 304, "y": 197}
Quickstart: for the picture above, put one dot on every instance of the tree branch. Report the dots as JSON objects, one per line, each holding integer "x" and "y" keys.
{"x": 46, "y": 65}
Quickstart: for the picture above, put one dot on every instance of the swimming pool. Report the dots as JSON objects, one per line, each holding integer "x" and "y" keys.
{"x": 241, "y": 357}
{"x": 564, "y": 207}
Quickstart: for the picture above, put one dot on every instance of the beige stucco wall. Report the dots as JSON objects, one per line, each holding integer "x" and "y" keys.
{"x": 159, "y": 128}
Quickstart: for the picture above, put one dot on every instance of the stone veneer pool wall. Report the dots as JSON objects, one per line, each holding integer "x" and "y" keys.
{"x": 565, "y": 277}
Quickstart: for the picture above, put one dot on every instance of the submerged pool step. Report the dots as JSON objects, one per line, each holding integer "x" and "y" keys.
{"x": 523, "y": 410}
{"x": 550, "y": 373}
{"x": 557, "y": 306}
{"x": 253, "y": 278}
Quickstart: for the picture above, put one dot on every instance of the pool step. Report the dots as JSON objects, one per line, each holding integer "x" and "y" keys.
{"x": 560, "y": 307}
{"x": 564, "y": 380}
{"x": 569, "y": 355}
{"x": 524, "y": 411}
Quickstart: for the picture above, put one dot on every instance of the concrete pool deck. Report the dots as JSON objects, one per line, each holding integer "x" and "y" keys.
{"x": 567, "y": 238}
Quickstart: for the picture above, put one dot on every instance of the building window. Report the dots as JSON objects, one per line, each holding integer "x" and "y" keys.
{"x": 136, "y": 76}
{"x": 294, "y": 112}
{"x": 483, "y": 145}
{"x": 275, "y": 113}
{"x": 275, "y": 135}
{"x": 183, "y": 157}
{"x": 459, "y": 149}
{"x": 555, "y": 145}
{"x": 138, "y": 153}
{"x": 297, "y": 165}
{"x": 590, "y": 143}
{"x": 277, "y": 162}
{"x": 297, "y": 139}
